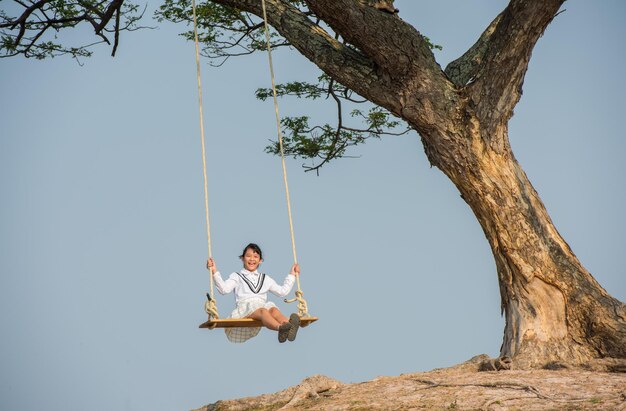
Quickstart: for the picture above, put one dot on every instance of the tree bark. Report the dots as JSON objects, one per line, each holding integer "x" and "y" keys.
{"x": 555, "y": 310}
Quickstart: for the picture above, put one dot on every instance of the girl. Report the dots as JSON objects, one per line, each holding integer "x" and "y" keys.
{"x": 251, "y": 289}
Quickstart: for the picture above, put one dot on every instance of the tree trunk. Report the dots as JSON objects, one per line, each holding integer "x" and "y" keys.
{"x": 555, "y": 310}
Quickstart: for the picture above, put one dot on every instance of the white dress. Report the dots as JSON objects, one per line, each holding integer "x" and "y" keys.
{"x": 251, "y": 288}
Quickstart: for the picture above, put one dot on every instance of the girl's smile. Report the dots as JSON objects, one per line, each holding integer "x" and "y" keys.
{"x": 251, "y": 260}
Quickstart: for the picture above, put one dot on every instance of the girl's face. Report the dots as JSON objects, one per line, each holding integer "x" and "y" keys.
{"x": 251, "y": 260}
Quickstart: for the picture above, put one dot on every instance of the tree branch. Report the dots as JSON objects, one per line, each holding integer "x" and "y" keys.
{"x": 387, "y": 40}
{"x": 462, "y": 70}
{"x": 416, "y": 90}
{"x": 24, "y": 34}
{"x": 344, "y": 64}
{"x": 26, "y": 14}
{"x": 114, "y": 6}
{"x": 117, "y": 31}
{"x": 415, "y": 87}
{"x": 498, "y": 82}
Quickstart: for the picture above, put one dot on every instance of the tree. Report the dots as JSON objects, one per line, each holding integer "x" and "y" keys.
{"x": 555, "y": 311}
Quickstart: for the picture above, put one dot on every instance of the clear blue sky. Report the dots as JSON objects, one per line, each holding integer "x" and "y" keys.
{"x": 102, "y": 238}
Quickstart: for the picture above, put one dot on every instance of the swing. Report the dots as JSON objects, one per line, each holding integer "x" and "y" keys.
{"x": 210, "y": 307}
{"x": 245, "y": 322}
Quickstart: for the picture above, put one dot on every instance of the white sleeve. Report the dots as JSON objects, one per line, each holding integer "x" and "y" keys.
{"x": 282, "y": 290}
{"x": 224, "y": 287}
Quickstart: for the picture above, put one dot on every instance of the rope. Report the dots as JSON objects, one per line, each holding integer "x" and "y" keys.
{"x": 211, "y": 309}
{"x": 303, "y": 308}
{"x": 302, "y": 305}
{"x": 210, "y": 306}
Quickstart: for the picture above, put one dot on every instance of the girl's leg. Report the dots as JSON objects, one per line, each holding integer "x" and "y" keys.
{"x": 278, "y": 316}
{"x": 267, "y": 319}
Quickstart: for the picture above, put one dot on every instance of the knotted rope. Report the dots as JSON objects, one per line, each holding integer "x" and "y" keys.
{"x": 303, "y": 308}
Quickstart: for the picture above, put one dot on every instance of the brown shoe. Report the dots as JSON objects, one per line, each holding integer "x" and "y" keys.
{"x": 283, "y": 332}
{"x": 294, "y": 320}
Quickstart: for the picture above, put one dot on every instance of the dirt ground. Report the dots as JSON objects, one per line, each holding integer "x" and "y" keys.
{"x": 456, "y": 388}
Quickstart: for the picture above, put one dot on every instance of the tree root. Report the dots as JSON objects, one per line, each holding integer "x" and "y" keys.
{"x": 498, "y": 385}
{"x": 507, "y": 385}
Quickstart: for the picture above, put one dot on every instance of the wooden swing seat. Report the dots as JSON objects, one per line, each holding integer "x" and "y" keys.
{"x": 246, "y": 322}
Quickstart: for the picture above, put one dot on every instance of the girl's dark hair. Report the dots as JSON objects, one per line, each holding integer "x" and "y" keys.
{"x": 254, "y": 248}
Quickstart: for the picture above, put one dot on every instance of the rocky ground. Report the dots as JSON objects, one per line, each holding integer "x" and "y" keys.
{"x": 456, "y": 388}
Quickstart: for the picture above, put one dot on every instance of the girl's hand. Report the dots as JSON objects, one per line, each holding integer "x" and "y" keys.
{"x": 210, "y": 264}
{"x": 295, "y": 270}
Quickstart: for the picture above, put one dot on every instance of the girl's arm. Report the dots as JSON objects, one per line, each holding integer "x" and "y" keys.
{"x": 283, "y": 290}
{"x": 224, "y": 287}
